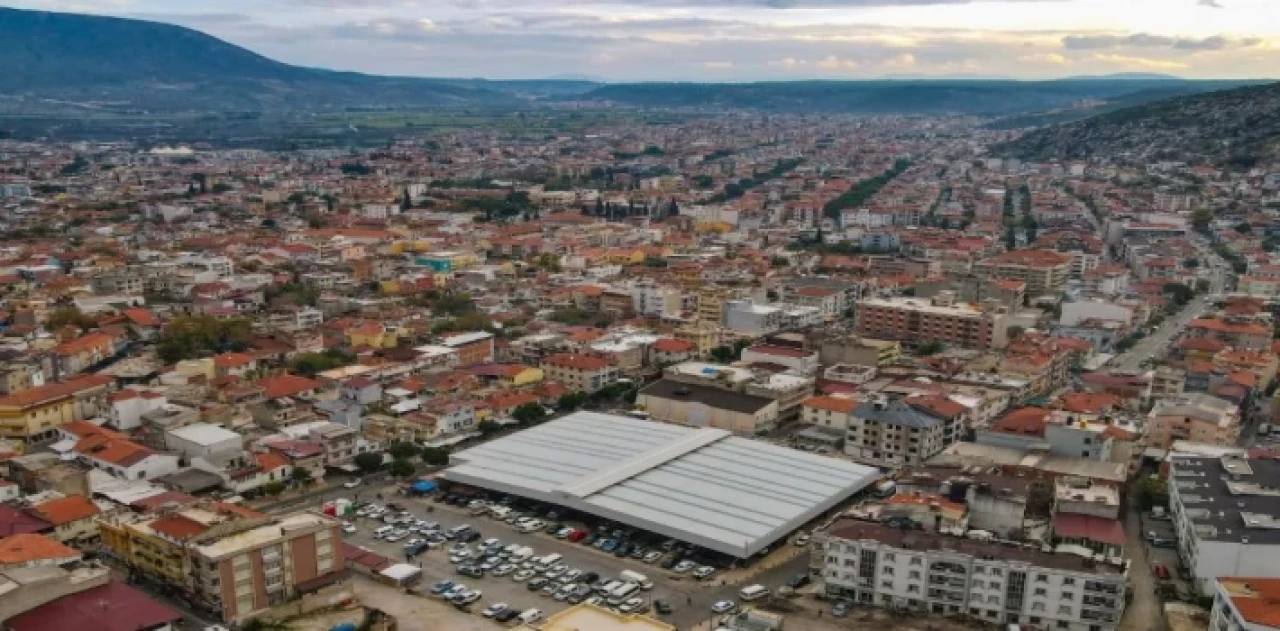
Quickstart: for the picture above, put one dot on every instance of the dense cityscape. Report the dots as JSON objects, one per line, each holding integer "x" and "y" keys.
{"x": 640, "y": 368}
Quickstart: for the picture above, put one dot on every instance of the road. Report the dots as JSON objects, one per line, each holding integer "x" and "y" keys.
{"x": 1144, "y": 612}
{"x": 1161, "y": 339}
{"x": 691, "y": 600}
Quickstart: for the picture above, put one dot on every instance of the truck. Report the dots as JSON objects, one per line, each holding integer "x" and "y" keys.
{"x": 637, "y": 578}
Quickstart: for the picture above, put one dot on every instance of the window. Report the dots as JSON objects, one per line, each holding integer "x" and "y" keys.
{"x": 887, "y": 570}
{"x": 913, "y": 575}
{"x": 995, "y": 571}
{"x": 1035, "y": 619}
{"x": 1068, "y": 596}
{"x": 1041, "y": 578}
{"x": 1040, "y": 591}
{"x": 1068, "y": 581}
{"x": 916, "y": 561}
{"x": 887, "y": 584}
{"x": 913, "y": 589}
{"x": 889, "y": 556}
{"x": 978, "y": 569}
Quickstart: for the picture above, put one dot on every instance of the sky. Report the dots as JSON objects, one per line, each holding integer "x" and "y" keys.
{"x": 737, "y": 40}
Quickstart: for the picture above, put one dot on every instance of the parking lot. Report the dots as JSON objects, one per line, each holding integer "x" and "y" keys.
{"x": 691, "y": 600}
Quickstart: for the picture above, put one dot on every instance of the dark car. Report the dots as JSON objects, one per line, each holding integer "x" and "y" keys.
{"x": 507, "y": 616}
{"x": 472, "y": 571}
{"x": 670, "y": 562}
{"x": 661, "y": 606}
{"x": 590, "y": 539}
{"x": 536, "y": 583}
{"x": 638, "y": 552}
{"x": 623, "y": 550}
{"x": 553, "y": 528}
{"x": 798, "y": 581}
{"x": 395, "y": 506}
{"x": 441, "y": 587}
{"x": 589, "y": 578}
{"x": 468, "y": 536}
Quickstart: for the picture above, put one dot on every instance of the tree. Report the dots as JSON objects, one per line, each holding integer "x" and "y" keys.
{"x": 722, "y": 354}
{"x": 401, "y": 467}
{"x": 488, "y": 427}
{"x": 1152, "y": 491}
{"x": 68, "y": 316}
{"x": 401, "y": 451}
{"x": 930, "y": 348}
{"x": 1244, "y": 227}
{"x": 312, "y": 364}
{"x": 529, "y": 414}
{"x": 273, "y": 489}
{"x": 435, "y": 456}
{"x": 191, "y": 336}
{"x": 1200, "y": 219}
{"x": 1016, "y": 332}
{"x": 571, "y": 401}
{"x": 301, "y": 475}
{"x": 368, "y": 462}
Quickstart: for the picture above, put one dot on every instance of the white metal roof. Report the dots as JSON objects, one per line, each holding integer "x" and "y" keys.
{"x": 204, "y": 434}
{"x": 704, "y": 486}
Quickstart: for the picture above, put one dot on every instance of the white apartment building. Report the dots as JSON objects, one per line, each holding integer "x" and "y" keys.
{"x": 910, "y": 570}
{"x": 651, "y": 299}
{"x": 1226, "y": 512}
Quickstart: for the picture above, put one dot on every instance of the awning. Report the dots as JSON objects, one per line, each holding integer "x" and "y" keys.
{"x": 1099, "y": 529}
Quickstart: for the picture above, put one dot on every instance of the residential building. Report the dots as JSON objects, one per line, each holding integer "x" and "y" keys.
{"x": 473, "y": 348}
{"x": 1245, "y": 604}
{"x": 1044, "y": 271}
{"x": 1193, "y": 416}
{"x": 874, "y": 564}
{"x": 859, "y": 351}
{"x": 580, "y": 373}
{"x": 33, "y": 415}
{"x": 939, "y": 320}
{"x": 893, "y": 433}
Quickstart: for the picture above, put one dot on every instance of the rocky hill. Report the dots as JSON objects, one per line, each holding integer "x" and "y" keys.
{"x": 1239, "y": 127}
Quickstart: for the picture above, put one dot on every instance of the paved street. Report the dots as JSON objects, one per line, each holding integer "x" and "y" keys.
{"x": 1159, "y": 341}
{"x": 691, "y": 600}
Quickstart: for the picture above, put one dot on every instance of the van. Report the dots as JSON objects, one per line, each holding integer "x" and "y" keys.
{"x": 622, "y": 593}
{"x": 530, "y": 616}
{"x": 549, "y": 560}
{"x": 382, "y": 531}
{"x": 753, "y": 592}
{"x": 637, "y": 578}
{"x": 457, "y": 531}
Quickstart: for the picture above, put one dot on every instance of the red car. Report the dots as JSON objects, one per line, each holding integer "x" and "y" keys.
{"x": 1161, "y": 571}
{"x": 577, "y": 535}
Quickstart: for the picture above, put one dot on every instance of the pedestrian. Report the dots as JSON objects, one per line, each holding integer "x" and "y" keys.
{"x": 690, "y": 600}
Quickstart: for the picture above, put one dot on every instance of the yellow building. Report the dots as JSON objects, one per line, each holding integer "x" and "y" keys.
{"x": 33, "y": 415}
{"x": 582, "y": 617}
{"x": 703, "y": 335}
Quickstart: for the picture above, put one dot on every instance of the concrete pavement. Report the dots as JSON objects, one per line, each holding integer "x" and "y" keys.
{"x": 1162, "y": 338}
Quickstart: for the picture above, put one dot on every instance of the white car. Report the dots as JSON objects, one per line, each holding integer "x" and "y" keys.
{"x": 396, "y": 535}
{"x": 631, "y": 604}
{"x": 684, "y": 566}
{"x": 571, "y": 575}
{"x": 704, "y": 572}
{"x": 802, "y": 540}
{"x": 504, "y": 569}
{"x": 723, "y": 606}
{"x": 494, "y": 609}
{"x": 652, "y": 557}
{"x": 352, "y": 484}
{"x": 412, "y": 542}
{"x": 454, "y": 591}
{"x": 466, "y": 598}
{"x": 523, "y": 575}
{"x": 348, "y": 527}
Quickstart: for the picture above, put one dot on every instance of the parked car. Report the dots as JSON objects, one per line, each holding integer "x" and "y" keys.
{"x": 723, "y": 606}
{"x": 589, "y": 578}
{"x": 494, "y": 610}
{"x": 798, "y": 581}
{"x": 662, "y": 607}
{"x": 590, "y": 539}
{"x": 670, "y": 563}
{"x": 684, "y": 566}
{"x": 652, "y": 557}
{"x": 704, "y": 572}
{"x": 523, "y": 575}
{"x": 537, "y": 583}
{"x": 504, "y": 569}
{"x": 801, "y": 540}
{"x": 440, "y": 587}
{"x": 348, "y": 527}
{"x": 507, "y": 616}
{"x": 352, "y": 484}
{"x": 466, "y": 598}
{"x": 841, "y": 609}
{"x": 631, "y": 605}
{"x": 471, "y": 570}
{"x": 1161, "y": 572}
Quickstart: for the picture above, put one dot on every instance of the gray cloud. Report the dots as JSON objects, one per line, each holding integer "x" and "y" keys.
{"x": 1146, "y": 40}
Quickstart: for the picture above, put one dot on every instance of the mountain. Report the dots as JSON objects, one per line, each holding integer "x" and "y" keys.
{"x": 120, "y": 63}
{"x": 985, "y": 98}
{"x": 1239, "y": 127}
{"x": 1125, "y": 76}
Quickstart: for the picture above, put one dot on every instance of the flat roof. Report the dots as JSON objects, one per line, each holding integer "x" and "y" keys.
{"x": 703, "y": 486}
{"x": 204, "y": 434}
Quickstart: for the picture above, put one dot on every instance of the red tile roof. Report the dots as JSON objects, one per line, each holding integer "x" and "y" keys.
{"x": 286, "y": 385}
{"x": 30, "y": 548}
{"x": 111, "y": 607}
{"x": 53, "y": 392}
{"x": 66, "y": 510}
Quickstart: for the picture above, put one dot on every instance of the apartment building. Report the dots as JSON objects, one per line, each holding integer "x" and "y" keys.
{"x": 33, "y": 415}
{"x": 229, "y": 559}
{"x": 893, "y": 433}
{"x": 918, "y": 321}
{"x": 473, "y": 348}
{"x": 1193, "y": 416}
{"x": 580, "y": 373}
{"x": 1044, "y": 271}
{"x": 1226, "y": 514}
{"x": 1245, "y": 604}
{"x": 859, "y": 351}
{"x": 912, "y": 570}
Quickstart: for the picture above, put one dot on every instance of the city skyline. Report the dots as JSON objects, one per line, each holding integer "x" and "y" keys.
{"x": 736, "y": 40}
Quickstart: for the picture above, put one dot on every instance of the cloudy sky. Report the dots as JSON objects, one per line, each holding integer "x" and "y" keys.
{"x": 737, "y": 40}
